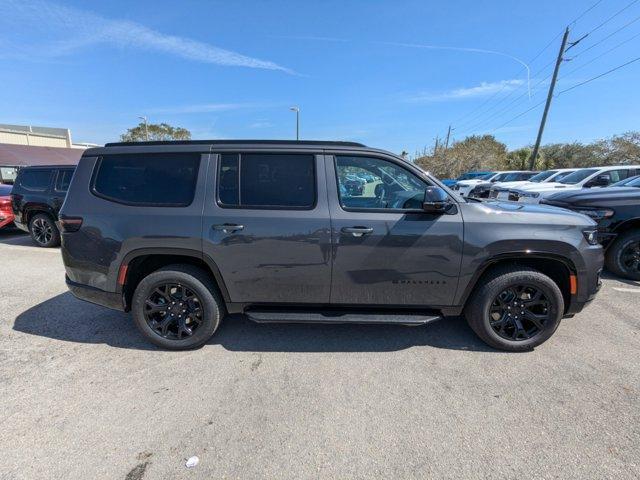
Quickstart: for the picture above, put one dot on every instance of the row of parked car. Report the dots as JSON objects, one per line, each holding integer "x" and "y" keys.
{"x": 608, "y": 195}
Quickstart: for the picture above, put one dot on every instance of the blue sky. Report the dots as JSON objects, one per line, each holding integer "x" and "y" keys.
{"x": 359, "y": 70}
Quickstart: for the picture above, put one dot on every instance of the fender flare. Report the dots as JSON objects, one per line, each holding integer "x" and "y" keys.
{"x": 186, "y": 252}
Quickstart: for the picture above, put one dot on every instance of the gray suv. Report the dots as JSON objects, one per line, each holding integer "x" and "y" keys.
{"x": 183, "y": 233}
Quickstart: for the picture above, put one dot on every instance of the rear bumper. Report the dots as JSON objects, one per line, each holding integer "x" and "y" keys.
{"x": 95, "y": 295}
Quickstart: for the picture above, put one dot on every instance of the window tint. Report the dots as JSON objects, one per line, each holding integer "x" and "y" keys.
{"x": 267, "y": 180}
{"x": 63, "y": 179}
{"x": 577, "y": 176}
{"x": 35, "y": 180}
{"x": 372, "y": 183}
{"x": 166, "y": 179}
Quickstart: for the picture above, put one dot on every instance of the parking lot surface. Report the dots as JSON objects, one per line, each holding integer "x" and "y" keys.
{"x": 85, "y": 396}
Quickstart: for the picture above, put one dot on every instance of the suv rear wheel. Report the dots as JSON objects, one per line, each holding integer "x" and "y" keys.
{"x": 623, "y": 257}
{"x": 177, "y": 307}
{"x": 515, "y": 308}
{"x": 43, "y": 231}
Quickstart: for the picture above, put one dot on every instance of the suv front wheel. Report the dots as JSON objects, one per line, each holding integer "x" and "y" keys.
{"x": 515, "y": 308}
{"x": 177, "y": 307}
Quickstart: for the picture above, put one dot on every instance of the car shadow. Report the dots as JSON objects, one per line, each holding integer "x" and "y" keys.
{"x": 610, "y": 276}
{"x": 65, "y": 318}
{"x": 14, "y": 236}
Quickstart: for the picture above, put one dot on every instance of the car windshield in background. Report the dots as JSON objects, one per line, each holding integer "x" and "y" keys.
{"x": 485, "y": 177}
{"x": 510, "y": 177}
{"x": 628, "y": 182}
{"x": 577, "y": 177}
{"x": 561, "y": 175}
{"x": 542, "y": 176}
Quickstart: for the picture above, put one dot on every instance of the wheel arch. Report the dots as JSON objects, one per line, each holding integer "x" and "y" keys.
{"x": 630, "y": 224}
{"x": 141, "y": 262}
{"x": 556, "y": 267}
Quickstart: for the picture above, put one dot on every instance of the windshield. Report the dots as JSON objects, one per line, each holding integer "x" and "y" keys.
{"x": 628, "y": 182}
{"x": 542, "y": 176}
{"x": 577, "y": 177}
{"x": 470, "y": 175}
{"x": 513, "y": 177}
{"x": 486, "y": 176}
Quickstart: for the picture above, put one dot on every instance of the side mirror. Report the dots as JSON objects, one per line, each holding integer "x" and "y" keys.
{"x": 599, "y": 181}
{"x": 435, "y": 200}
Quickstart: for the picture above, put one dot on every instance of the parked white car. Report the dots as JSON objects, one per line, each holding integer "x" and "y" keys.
{"x": 500, "y": 190}
{"x": 584, "y": 178}
{"x": 464, "y": 187}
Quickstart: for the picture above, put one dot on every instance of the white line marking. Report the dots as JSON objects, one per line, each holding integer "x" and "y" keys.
{"x": 631, "y": 290}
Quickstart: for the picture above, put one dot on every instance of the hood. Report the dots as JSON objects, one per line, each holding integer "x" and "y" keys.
{"x": 517, "y": 183}
{"x": 535, "y": 213}
{"x": 538, "y": 187}
{"x": 468, "y": 183}
{"x": 600, "y": 197}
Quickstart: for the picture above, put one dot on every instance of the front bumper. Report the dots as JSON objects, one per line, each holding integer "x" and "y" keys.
{"x": 112, "y": 300}
{"x": 588, "y": 279}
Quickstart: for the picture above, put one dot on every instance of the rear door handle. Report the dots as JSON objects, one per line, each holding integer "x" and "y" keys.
{"x": 228, "y": 227}
{"x": 357, "y": 231}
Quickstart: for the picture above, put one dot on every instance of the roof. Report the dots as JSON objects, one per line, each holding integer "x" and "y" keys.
{"x": 238, "y": 142}
{"x": 25, "y": 155}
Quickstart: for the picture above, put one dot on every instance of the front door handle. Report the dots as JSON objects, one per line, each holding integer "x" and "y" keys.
{"x": 228, "y": 227}
{"x": 357, "y": 231}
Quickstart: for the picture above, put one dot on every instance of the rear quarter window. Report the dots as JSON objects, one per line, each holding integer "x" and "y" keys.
{"x": 34, "y": 180}
{"x": 156, "y": 179}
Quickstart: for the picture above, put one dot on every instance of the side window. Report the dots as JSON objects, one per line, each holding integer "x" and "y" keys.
{"x": 35, "y": 180}
{"x": 149, "y": 179}
{"x": 617, "y": 175}
{"x": 372, "y": 183}
{"x": 266, "y": 180}
{"x": 63, "y": 180}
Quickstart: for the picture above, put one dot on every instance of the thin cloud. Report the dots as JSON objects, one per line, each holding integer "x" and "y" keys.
{"x": 484, "y": 89}
{"x": 261, "y": 124}
{"x": 81, "y": 29}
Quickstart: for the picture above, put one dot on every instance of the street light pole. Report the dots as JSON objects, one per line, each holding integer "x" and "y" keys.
{"x": 146, "y": 127}
{"x": 297, "y": 110}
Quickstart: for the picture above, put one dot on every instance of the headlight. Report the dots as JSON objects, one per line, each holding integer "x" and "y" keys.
{"x": 528, "y": 194}
{"x": 591, "y": 236}
{"x": 596, "y": 214}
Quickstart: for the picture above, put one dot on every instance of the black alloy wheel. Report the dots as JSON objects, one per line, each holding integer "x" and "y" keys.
{"x": 42, "y": 231}
{"x": 630, "y": 258}
{"x": 519, "y": 312}
{"x": 173, "y": 311}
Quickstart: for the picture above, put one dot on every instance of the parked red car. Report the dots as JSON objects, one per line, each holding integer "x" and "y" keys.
{"x": 6, "y": 212}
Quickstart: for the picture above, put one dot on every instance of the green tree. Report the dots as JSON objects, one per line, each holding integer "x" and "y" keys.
{"x": 156, "y": 131}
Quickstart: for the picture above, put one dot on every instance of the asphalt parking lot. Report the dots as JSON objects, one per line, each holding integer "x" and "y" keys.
{"x": 84, "y": 396}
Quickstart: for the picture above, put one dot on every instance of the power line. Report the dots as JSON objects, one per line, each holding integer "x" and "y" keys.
{"x": 602, "y": 55}
{"x": 613, "y": 16}
{"x": 607, "y": 37}
{"x": 573, "y": 22}
{"x": 518, "y": 116}
{"x": 599, "y": 76}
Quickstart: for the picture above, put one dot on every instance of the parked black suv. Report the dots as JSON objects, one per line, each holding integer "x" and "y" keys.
{"x": 617, "y": 211}
{"x": 36, "y": 199}
{"x": 182, "y": 233}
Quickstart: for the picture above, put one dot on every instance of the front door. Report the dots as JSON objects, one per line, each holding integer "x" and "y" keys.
{"x": 267, "y": 228}
{"x": 386, "y": 251}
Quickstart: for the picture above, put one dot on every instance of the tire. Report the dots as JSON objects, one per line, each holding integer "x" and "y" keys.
{"x": 489, "y": 298}
{"x": 44, "y": 231}
{"x": 619, "y": 251}
{"x": 194, "y": 281}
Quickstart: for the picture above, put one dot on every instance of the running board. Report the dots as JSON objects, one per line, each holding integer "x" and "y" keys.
{"x": 272, "y": 316}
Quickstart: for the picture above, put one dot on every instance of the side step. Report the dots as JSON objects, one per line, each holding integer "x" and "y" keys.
{"x": 284, "y": 316}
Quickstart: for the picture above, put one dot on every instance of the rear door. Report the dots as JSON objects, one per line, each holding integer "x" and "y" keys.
{"x": 386, "y": 250}
{"x": 266, "y": 226}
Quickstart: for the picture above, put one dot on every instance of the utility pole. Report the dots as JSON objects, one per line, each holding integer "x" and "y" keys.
{"x": 446, "y": 144}
{"x": 552, "y": 86}
{"x": 297, "y": 110}
{"x": 146, "y": 127}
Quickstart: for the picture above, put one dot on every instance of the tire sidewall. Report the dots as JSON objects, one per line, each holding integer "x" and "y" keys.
{"x": 552, "y": 294}
{"x": 210, "y": 306}
{"x": 617, "y": 255}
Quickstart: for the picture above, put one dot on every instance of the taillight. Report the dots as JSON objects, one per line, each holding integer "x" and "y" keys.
{"x": 70, "y": 224}
{"x": 5, "y": 204}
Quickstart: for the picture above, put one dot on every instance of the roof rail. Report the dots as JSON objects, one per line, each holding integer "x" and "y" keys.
{"x": 236, "y": 142}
